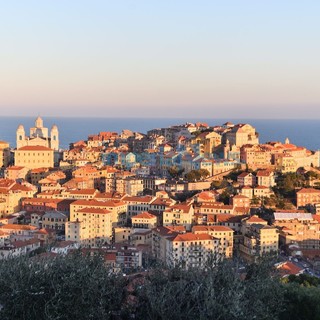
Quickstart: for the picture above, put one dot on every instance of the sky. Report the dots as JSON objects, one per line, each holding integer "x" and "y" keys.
{"x": 168, "y": 58}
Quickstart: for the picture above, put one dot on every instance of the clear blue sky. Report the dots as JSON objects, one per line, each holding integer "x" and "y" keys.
{"x": 142, "y": 58}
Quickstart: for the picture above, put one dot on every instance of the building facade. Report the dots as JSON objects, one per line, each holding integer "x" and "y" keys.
{"x": 39, "y": 136}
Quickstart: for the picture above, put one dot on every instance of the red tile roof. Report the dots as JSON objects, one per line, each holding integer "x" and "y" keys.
{"x": 211, "y": 228}
{"x": 94, "y": 211}
{"x": 308, "y": 190}
{"x": 10, "y": 226}
{"x": 144, "y": 215}
{"x": 191, "y": 237}
{"x": 264, "y": 173}
{"x": 255, "y": 219}
{"x": 35, "y": 148}
{"x": 287, "y": 268}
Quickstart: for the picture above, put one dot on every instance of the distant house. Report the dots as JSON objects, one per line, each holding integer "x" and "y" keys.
{"x": 246, "y": 179}
{"x": 266, "y": 178}
{"x": 288, "y": 268}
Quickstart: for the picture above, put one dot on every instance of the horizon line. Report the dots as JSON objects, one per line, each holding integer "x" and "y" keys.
{"x": 157, "y": 117}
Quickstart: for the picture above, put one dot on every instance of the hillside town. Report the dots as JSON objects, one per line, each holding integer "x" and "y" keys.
{"x": 178, "y": 196}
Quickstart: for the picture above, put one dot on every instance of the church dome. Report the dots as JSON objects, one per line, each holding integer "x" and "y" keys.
{"x": 20, "y": 127}
{"x": 54, "y": 127}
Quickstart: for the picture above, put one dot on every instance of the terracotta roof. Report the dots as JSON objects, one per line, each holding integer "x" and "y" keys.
{"x": 243, "y": 174}
{"x": 211, "y": 228}
{"x": 94, "y": 211}
{"x": 181, "y": 207}
{"x": 34, "y": 148}
{"x": 207, "y": 195}
{"x": 288, "y": 268}
{"x": 145, "y": 199}
{"x": 108, "y": 195}
{"x": 264, "y": 173}
{"x": 84, "y": 191}
{"x": 144, "y": 215}
{"x": 95, "y": 203}
{"x": 255, "y": 219}
{"x": 308, "y": 190}
{"x": 42, "y": 231}
{"x": 261, "y": 187}
{"x": 6, "y": 183}
{"x": 110, "y": 256}
{"x": 162, "y": 202}
{"x": 242, "y": 210}
{"x": 21, "y": 244}
{"x": 229, "y": 218}
{"x": 64, "y": 244}
{"x": 169, "y": 230}
{"x": 15, "y": 168}
{"x": 239, "y": 196}
{"x": 316, "y": 217}
{"x": 191, "y": 237}
{"x": 40, "y": 200}
{"x": 216, "y": 205}
{"x": 18, "y": 227}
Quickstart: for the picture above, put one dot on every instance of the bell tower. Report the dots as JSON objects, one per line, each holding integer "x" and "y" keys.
{"x": 20, "y": 137}
{"x": 54, "y": 135}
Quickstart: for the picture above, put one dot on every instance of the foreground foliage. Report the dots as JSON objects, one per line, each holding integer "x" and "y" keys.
{"x": 72, "y": 287}
{"x": 82, "y": 287}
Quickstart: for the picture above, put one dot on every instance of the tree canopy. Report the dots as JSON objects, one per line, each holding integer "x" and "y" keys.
{"x": 78, "y": 286}
{"x": 196, "y": 175}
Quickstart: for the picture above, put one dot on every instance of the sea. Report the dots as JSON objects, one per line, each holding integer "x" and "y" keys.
{"x": 300, "y": 132}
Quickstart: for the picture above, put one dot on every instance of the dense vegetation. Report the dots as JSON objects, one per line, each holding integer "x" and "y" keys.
{"x": 197, "y": 175}
{"x": 78, "y": 287}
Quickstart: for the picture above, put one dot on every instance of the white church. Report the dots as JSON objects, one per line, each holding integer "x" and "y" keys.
{"x": 39, "y": 136}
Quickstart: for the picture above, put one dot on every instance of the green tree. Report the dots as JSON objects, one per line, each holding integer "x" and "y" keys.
{"x": 216, "y": 294}
{"x": 219, "y": 184}
{"x": 175, "y": 172}
{"x": 70, "y": 287}
{"x": 196, "y": 175}
{"x": 301, "y": 302}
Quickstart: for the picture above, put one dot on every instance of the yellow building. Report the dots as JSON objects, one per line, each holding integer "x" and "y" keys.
{"x": 256, "y": 156}
{"x": 307, "y": 196}
{"x": 133, "y": 236}
{"x": 34, "y": 157}
{"x": 224, "y": 234}
{"x": 38, "y": 174}
{"x": 179, "y": 214}
{"x": 54, "y": 220}
{"x": 242, "y": 134}
{"x": 266, "y": 178}
{"x": 286, "y": 163}
{"x": 208, "y": 141}
{"x": 144, "y": 220}
{"x": 300, "y": 228}
{"x": 258, "y": 239}
{"x": 192, "y": 250}
{"x": 11, "y": 194}
{"x": 4, "y": 154}
{"x": 14, "y": 173}
{"x": 116, "y": 208}
{"x": 131, "y": 186}
{"x": 159, "y": 236}
{"x": 93, "y": 227}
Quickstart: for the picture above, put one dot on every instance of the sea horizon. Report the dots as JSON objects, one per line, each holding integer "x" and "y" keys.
{"x": 302, "y": 132}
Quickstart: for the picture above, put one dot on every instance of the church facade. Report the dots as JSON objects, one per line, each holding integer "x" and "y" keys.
{"x": 39, "y": 136}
